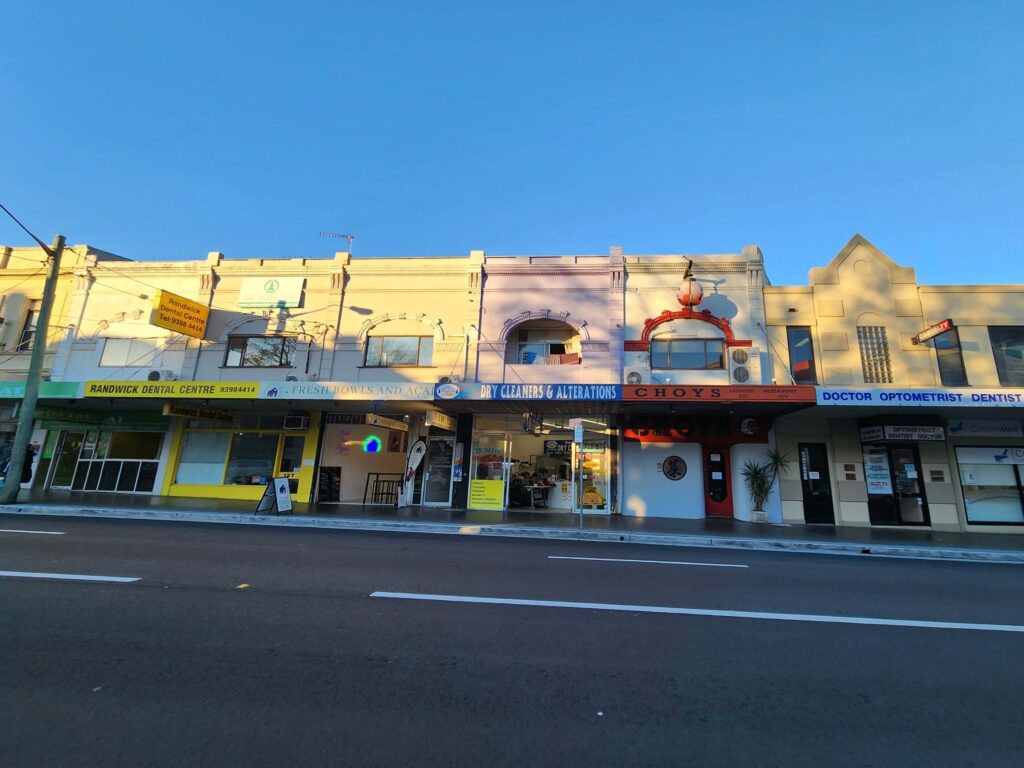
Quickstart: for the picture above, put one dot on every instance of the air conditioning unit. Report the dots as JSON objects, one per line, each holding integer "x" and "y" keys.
{"x": 744, "y": 366}
{"x": 637, "y": 376}
{"x": 296, "y": 422}
{"x": 450, "y": 379}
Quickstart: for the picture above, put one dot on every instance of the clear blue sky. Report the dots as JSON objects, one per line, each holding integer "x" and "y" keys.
{"x": 163, "y": 131}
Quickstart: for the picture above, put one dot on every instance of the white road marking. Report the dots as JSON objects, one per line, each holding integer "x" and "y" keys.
{"x": 67, "y": 576}
{"x": 45, "y": 533}
{"x": 821, "y": 619}
{"x": 656, "y": 562}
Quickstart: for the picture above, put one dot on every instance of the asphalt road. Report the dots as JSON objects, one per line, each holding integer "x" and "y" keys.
{"x": 185, "y": 667}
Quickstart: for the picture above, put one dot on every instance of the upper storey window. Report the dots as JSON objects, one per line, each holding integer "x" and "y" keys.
{"x": 687, "y": 354}
{"x": 260, "y": 351}
{"x": 539, "y": 342}
{"x": 874, "y": 354}
{"x": 28, "y": 331}
{"x": 950, "y": 359}
{"x": 1008, "y": 348}
{"x": 399, "y": 351}
{"x": 801, "y": 355}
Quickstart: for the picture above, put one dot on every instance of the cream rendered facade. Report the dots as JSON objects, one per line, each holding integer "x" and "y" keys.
{"x": 862, "y": 288}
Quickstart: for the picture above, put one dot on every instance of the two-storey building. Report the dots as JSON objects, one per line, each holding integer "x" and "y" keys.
{"x": 919, "y": 394}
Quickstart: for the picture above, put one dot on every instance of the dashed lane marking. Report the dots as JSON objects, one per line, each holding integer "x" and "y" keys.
{"x": 654, "y": 562}
{"x": 67, "y": 576}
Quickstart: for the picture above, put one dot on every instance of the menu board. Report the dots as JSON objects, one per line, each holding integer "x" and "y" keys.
{"x": 329, "y": 485}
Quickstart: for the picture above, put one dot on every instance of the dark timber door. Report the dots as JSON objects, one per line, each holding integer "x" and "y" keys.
{"x": 816, "y": 484}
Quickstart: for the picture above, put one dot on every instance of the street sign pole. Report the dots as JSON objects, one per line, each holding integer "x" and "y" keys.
{"x": 577, "y": 439}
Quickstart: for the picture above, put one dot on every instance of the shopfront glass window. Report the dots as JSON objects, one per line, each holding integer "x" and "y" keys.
{"x": 202, "y": 458}
{"x": 135, "y": 445}
{"x": 291, "y": 454}
{"x": 991, "y": 494}
{"x": 251, "y": 461}
{"x": 1008, "y": 348}
{"x": 801, "y": 355}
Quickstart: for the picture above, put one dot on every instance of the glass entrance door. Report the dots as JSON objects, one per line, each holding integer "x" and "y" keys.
{"x": 592, "y": 458}
{"x": 437, "y": 479}
{"x": 489, "y": 471}
{"x": 67, "y": 459}
{"x": 908, "y": 485}
{"x": 895, "y": 486}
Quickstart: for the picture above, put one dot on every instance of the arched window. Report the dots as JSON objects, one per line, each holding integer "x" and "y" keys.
{"x": 543, "y": 342}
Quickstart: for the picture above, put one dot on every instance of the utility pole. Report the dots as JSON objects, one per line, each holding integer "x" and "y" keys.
{"x": 27, "y": 414}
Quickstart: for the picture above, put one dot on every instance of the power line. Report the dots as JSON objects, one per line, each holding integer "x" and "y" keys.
{"x": 28, "y": 231}
{"x": 25, "y": 280}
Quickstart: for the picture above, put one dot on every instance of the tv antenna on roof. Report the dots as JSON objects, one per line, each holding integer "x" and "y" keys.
{"x": 348, "y": 237}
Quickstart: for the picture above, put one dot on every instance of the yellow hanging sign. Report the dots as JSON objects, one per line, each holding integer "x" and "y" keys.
{"x": 176, "y": 313}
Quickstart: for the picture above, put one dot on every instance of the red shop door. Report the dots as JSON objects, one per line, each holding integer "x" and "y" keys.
{"x": 717, "y": 489}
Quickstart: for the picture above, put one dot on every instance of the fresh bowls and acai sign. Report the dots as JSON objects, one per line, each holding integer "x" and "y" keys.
{"x": 271, "y": 292}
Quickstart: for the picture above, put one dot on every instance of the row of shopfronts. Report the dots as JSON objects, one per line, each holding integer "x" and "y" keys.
{"x": 645, "y": 450}
{"x": 896, "y": 403}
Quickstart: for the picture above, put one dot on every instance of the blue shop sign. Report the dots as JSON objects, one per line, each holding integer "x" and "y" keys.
{"x": 470, "y": 391}
{"x": 969, "y": 398}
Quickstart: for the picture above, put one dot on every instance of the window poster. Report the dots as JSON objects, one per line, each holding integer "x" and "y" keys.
{"x": 876, "y": 473}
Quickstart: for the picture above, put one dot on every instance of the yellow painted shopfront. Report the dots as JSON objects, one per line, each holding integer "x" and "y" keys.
{"x": 235, "y": 456}
{"x": 225, "y": 448}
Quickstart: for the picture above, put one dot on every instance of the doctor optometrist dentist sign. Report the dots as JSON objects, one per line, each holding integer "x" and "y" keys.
{"x": 922, "y": 397}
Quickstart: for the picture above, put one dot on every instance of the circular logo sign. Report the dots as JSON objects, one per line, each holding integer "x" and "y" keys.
{"x": 447, "y": 391}
{"x": 674, "y": 468}
{"x": 271, "y": 286}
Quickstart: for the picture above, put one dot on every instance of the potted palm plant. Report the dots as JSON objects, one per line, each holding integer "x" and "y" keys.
{"x": 760, "y": 478}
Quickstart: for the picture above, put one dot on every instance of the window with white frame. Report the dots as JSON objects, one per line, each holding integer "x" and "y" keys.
{"x": 28, "y": 331}
{"x": 687, "y": 354}
{"x": 125, "y": 352}
{"x": 260, "y": 351}
{"x": 399, "y": 351}
{"x": 874, "y": 354}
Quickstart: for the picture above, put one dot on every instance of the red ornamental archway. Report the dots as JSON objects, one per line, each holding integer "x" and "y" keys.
{"x": 686, "y": 313}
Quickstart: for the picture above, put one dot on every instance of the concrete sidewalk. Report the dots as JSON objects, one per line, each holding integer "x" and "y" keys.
{"x": 732, "y": 534}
